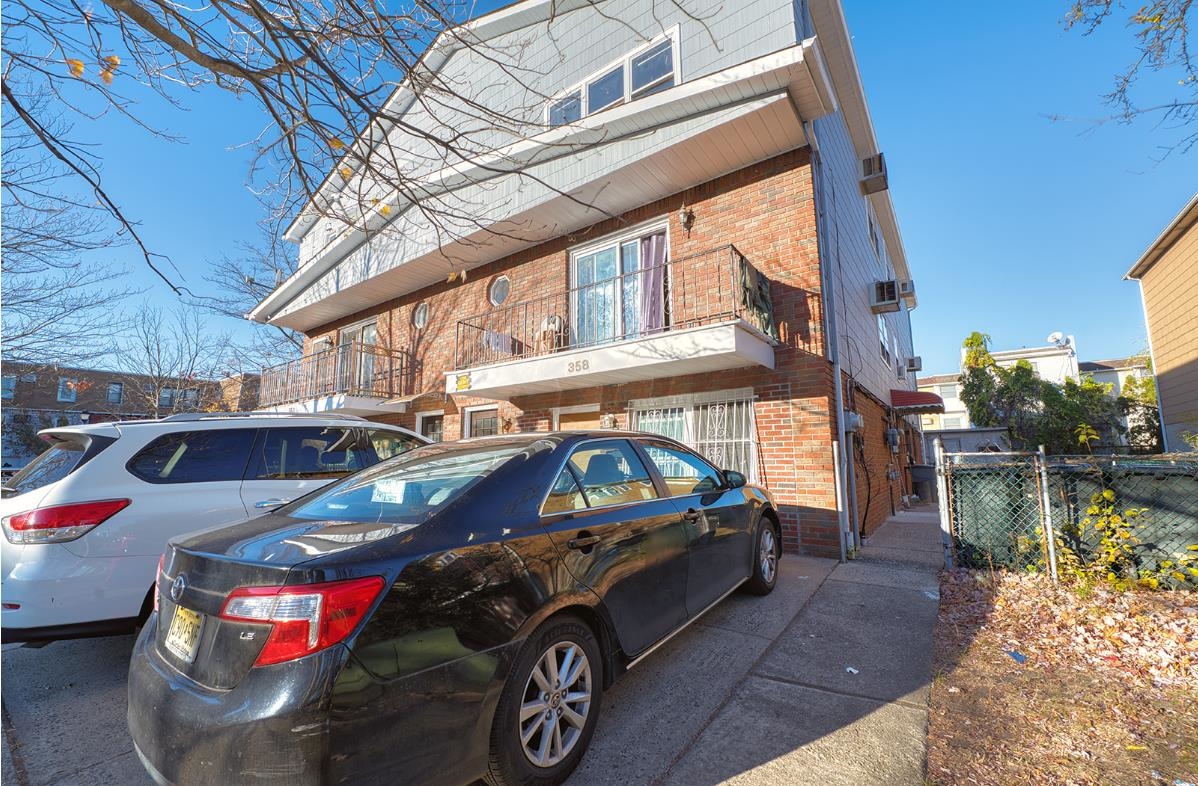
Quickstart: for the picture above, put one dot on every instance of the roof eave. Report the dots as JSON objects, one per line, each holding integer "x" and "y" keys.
{"x": 1176, "y": 228}
{"x": 802, "y": 56}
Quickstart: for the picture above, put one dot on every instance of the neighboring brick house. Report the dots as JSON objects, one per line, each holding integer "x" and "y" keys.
{"x": 718, "y": 242}
{"x": 1168, "y": 276}
{"x": 37, "y": 397}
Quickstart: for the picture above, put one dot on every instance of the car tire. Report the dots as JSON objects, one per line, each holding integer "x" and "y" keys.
{"x": 767, "y": 549}
{"x": 535, "y": 703}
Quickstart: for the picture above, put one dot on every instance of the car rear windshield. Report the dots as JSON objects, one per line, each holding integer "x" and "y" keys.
{"x": 51, "y": 466}
{"x": 407, "y": 488}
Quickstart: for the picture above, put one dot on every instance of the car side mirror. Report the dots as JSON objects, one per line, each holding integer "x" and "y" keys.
{"x": 734, "y": 478}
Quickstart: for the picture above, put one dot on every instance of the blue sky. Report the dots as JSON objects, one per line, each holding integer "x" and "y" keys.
{"x": 1014, "y": 224}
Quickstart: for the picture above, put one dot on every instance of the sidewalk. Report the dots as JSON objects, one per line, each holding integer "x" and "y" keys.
{"x": 824, "y": 682}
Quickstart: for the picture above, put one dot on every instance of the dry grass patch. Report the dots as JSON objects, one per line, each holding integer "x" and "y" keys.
{"x": 1108, "y": 693}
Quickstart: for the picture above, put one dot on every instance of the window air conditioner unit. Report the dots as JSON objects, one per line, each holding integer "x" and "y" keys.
{"x": 873, "y": 174}
{"x": 885, "y": 297}
{"x": 907, "y": 290}
{"x": 915, "y": 364}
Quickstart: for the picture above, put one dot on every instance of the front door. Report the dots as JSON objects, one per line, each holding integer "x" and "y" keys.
{"x": 357, "y": 359}
{"x": 719, "y": 532}
{"x": 620, "y": 538}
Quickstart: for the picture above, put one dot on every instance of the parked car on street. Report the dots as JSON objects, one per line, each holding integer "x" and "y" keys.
{"x": 86, "y": 521}
{"x": 452, "y": 614}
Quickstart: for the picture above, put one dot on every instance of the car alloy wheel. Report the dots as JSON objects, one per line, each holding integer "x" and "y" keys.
{"x": 768, "y": 555}
{"x": 557, "y": 701}
{"x": 765, "y": 558}
{"x": 549, "y": 706}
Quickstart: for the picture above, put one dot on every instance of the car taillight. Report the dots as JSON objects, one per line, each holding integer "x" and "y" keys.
{"x": 60, "y": 523}
{"x": 157, "y": 576}
{"x": 305, "y": 618}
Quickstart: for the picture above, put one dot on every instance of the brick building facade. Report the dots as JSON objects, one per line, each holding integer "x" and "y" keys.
{"x": 452, "y": 359}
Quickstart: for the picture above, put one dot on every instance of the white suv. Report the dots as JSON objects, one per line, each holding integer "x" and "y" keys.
{"x": 85, "y": 522}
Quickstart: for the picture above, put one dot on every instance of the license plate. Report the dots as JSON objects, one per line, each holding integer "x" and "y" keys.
{"x": 183, "y": 638}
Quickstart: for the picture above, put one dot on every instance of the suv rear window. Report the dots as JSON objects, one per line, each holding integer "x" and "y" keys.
{"x": 51, "y": 466}
{"x": 194, "y": 456}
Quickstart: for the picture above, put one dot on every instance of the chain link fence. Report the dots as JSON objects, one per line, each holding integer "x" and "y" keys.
{"x": 1004, "y": 510}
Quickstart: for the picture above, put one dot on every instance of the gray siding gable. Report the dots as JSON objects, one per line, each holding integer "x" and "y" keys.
{"x": 515, "y": 74}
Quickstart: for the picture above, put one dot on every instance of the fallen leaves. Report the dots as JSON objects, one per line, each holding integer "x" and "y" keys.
{"x": 1104, "y": 696}
{"x": 1144, "y": 635}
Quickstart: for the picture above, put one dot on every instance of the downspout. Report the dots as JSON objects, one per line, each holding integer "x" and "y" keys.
{"x": 832, "y": 345}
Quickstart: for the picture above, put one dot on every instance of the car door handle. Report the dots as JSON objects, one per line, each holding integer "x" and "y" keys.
{"x": 585, "y": 542}
{"x": 270, "y": 503}
{"x": 692, "y": 515}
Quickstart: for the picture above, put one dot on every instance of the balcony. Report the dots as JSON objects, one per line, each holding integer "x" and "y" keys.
{"x": 355, "y": 379}
{"x": 703, "y": 313}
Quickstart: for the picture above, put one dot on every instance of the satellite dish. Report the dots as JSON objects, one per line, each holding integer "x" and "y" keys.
{"x": 1056, "y": 338}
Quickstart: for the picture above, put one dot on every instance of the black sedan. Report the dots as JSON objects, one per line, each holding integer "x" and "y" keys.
{"x": 452, "y": 614}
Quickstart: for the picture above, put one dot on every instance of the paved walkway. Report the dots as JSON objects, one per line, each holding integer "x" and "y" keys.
{"x": 824, "y": 682}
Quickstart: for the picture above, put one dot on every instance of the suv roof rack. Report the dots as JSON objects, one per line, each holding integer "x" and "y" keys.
{"x": 193, "y": 416}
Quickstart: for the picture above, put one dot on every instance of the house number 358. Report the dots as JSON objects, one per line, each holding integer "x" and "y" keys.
{"x": 575, "y": 366}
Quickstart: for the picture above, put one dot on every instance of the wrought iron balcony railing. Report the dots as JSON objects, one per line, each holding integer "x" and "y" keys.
{"x": 703, "y": 289}
{"x": 354, "y": 369}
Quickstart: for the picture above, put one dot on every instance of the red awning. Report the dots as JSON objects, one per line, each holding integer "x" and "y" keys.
{"x": 915, "y": 402}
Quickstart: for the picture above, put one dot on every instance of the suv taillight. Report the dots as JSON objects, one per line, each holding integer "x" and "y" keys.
{"x": 60, "y": 523}
{"x": 305, "y": 618}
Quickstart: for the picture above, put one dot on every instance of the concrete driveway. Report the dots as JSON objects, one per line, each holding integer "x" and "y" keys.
{"x": 758, "y": 691}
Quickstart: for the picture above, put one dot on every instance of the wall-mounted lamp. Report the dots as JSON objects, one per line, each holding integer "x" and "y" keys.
{"x": 686, "y": 217}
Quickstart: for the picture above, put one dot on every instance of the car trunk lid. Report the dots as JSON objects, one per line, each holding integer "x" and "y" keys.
{"x": 191, "y": 636}
{"x": 202, "y": 570}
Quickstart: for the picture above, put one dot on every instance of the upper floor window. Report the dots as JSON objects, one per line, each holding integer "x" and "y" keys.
{"x": 646, "y": 70}
{"x": 948, "y": 391}
{"x": 884, "y": 338}
{"x": 116, "y": 392}
{"x": 10, "y": 387}
{"x": 66, "y": 389}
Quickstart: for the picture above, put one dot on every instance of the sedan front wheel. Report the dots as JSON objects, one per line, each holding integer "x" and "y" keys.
{"x": 767, "y": 549}
{"x": 549, "y": 706}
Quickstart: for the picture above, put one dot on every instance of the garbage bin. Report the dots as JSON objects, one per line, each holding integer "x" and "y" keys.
{"x": 923, "y": 479}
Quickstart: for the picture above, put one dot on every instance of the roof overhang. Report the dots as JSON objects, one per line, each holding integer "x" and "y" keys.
{"x": 769, "y": 97}
{"x": 1180, "y": 224}
{"x": 472, "y": 33}
{"x": 915, "y": 402}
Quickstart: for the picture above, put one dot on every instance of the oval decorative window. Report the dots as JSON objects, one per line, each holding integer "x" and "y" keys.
{"x": 420, "y": 316}
{"x": 500, "y": 288}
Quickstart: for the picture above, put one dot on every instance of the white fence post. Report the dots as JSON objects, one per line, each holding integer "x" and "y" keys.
{"x": 1046, "y": 508}
{"x": 946, "y": 534}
